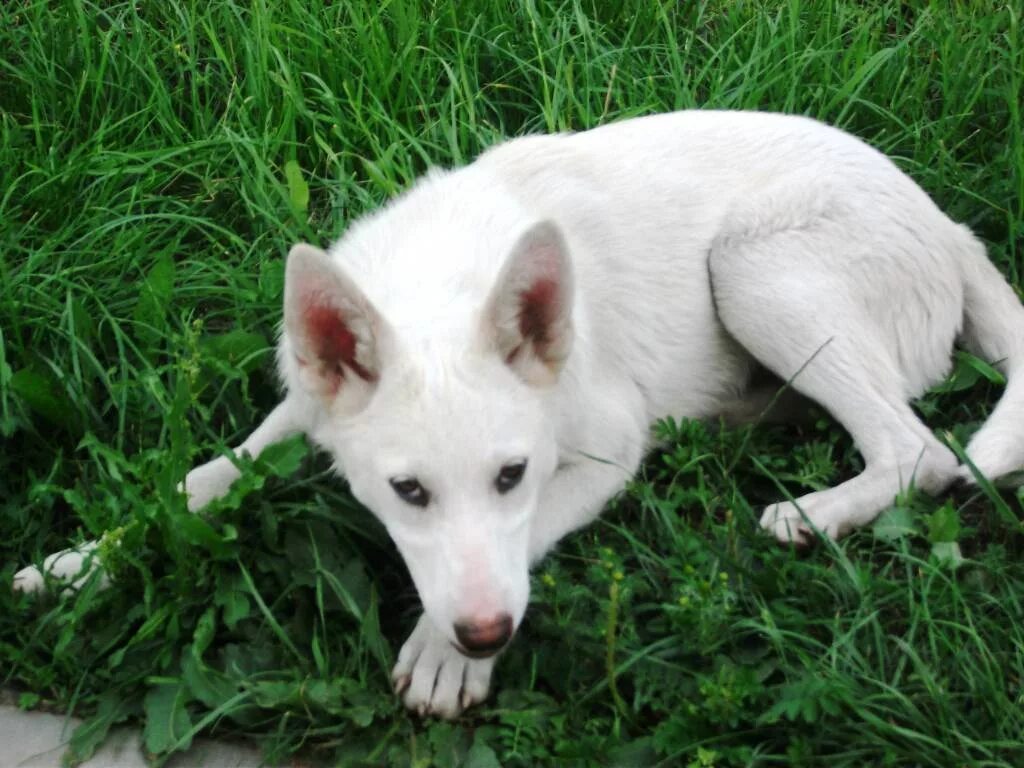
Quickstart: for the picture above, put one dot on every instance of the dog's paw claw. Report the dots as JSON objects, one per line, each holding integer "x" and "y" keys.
{"x": 400, "y": 683}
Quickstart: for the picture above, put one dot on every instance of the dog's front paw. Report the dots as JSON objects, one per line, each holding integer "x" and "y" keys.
{"x": 786, "y": 523}
{"x": 435, "y": 678}
{"x": 208, "y": 481}
{"x": 71, "y": 567}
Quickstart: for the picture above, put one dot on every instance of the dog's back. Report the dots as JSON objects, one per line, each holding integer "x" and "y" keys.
{"x": 641, "y": 204}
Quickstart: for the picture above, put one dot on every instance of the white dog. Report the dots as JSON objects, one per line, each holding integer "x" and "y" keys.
{"x": 483, "y": 358}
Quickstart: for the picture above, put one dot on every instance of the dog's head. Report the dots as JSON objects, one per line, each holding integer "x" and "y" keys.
{"x": 444, "y": 435}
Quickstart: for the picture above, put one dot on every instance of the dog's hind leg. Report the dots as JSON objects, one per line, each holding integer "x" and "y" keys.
{"x": 203, "y": 484}
{"x": 768, "y": 403}
{"x": 789, "y": 299}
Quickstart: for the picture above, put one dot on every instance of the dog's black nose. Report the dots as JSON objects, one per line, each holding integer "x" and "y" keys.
{"x": 484, "y": 638}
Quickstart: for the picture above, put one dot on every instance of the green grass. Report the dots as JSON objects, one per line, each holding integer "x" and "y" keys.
{"x": 157, "y": 159}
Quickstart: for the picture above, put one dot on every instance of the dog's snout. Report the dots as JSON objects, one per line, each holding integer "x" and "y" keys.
{"x": 484, "y": 638}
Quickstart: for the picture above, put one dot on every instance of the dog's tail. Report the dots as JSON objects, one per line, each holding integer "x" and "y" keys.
{"x": 994, "y": 330}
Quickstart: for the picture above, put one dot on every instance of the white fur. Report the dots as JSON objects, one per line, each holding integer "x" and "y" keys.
{"x": 663, "y": 260}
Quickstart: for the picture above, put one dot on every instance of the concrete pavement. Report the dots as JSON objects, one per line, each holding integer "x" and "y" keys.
{"x": 39, "y": 739}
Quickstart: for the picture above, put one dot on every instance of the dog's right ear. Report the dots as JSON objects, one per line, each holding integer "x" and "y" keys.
{"x": 332, "y": 329}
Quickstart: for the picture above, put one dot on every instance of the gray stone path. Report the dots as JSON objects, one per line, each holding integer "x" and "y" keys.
{"x": 38, "y": 739}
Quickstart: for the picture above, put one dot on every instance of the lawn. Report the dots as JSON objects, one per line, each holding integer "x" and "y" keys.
{"x": 157, "y": 159}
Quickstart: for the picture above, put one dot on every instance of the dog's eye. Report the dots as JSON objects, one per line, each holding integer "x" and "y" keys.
{"x": 410, "y": 491}
{"x": 510, "y": 475}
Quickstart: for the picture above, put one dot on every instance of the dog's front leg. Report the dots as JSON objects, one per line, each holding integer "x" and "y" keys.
{"x": 212, "y": 480}
{"x": 203, "y": 484}
{"x": 433, "y": 678}
{"x": 577, "y": 494}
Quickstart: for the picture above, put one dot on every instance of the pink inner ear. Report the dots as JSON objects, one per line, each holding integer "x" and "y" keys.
{"x": 538, "y": 308}
{"x": 333, "y": 342}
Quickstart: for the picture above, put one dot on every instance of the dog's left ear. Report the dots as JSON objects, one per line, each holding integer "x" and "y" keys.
{"x": 528, "y": 315}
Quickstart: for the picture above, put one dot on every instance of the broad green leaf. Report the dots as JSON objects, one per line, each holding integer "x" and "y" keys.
{"x": 209, "y": 686}
{"x": 339, "y": 697}
{"x": 235, "y": 605}
{"x": 167, "y": 720}
{"x": 113, "y": 708}
{"x": 272, "y": 694}
{"x": 298, "y": 190}
{"x": 481, "y": 755}
{"x": 944, "y": 524}
{"x": 448, "y": 744}
{"x": 195, "y": 530}
{"x": 895, "y": 523}
{"x": 284, "y": 458}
